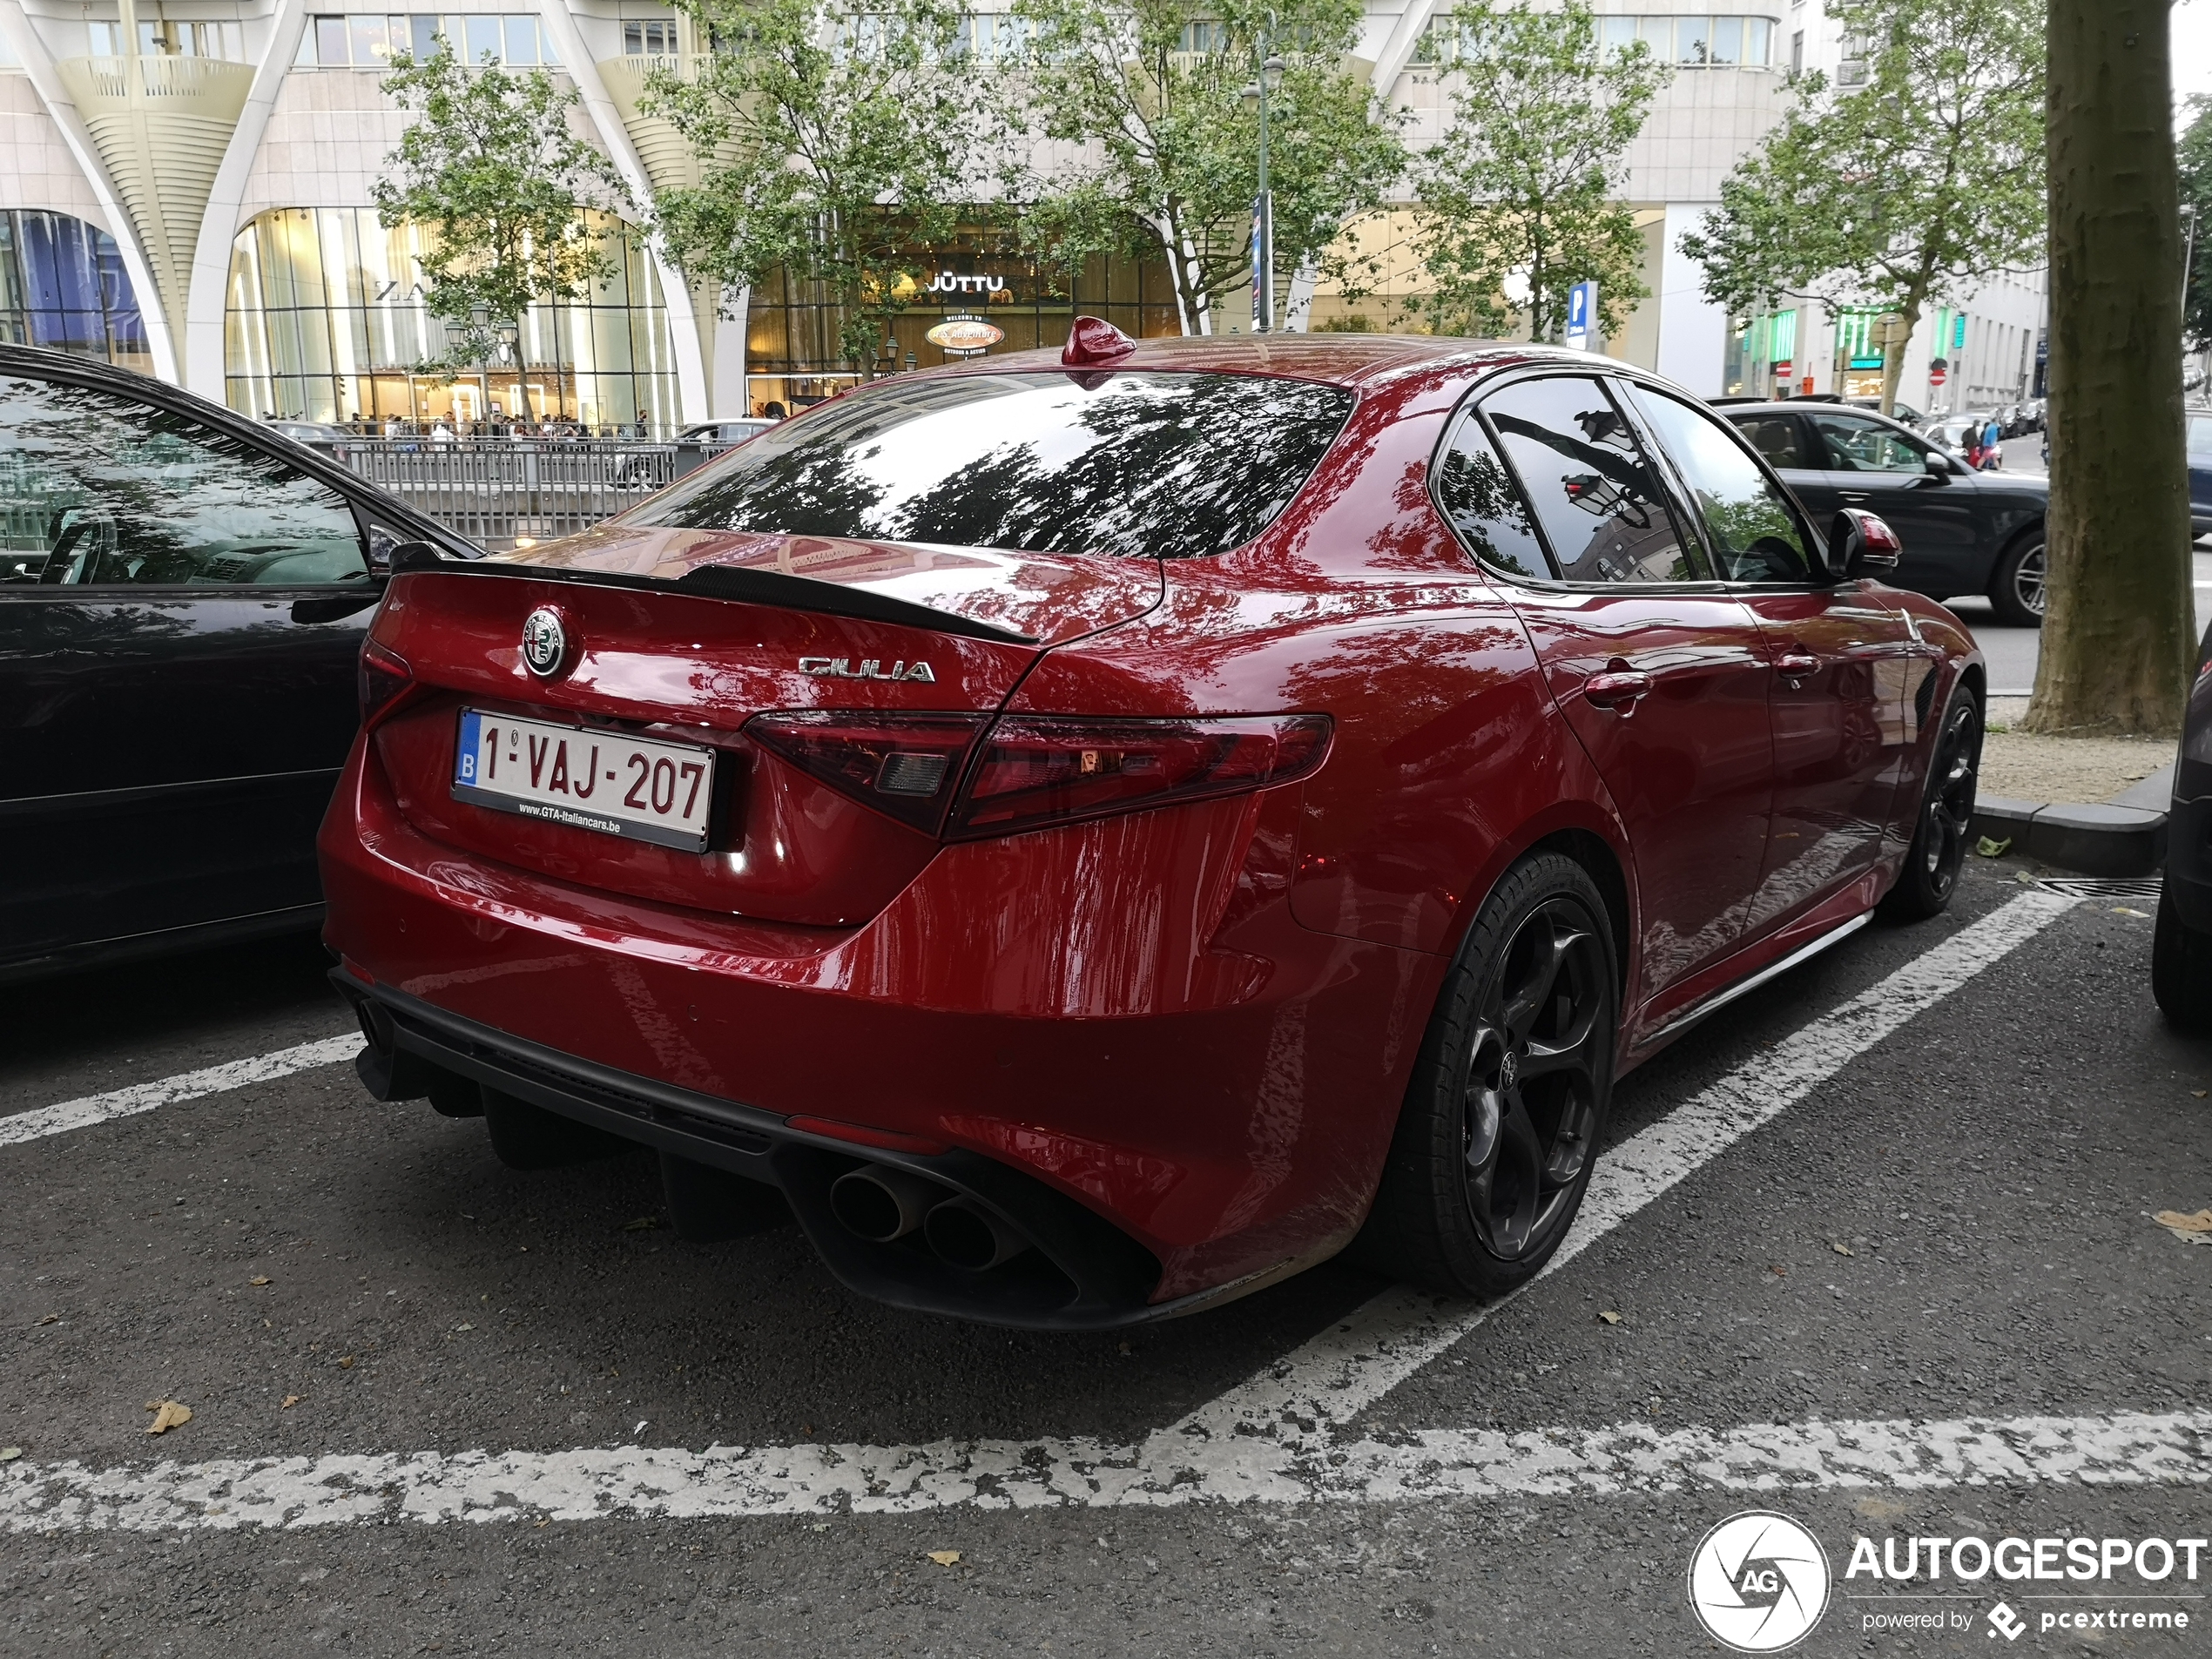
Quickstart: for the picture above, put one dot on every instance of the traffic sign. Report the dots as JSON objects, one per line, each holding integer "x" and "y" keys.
{"x": 1582, "y": 316}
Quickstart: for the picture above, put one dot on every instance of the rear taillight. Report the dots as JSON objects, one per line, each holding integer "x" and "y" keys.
{"x": 384, "y": 674}
{"x": 906, "y": 765}
{"x": 1038, "y": 771}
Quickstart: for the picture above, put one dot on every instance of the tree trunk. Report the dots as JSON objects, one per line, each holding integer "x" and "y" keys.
{"x": 2118, "y": 640}
{"x": 1893, "y": 355}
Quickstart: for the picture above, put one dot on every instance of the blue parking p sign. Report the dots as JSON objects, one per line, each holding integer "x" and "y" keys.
{"x": 1581, "y": 314}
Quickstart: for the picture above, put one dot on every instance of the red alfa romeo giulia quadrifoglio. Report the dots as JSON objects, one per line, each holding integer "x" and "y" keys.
{"x": 1101, "y": 832}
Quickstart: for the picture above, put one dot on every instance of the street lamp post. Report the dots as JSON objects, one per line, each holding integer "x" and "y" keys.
{"x": 1270, "y": 69}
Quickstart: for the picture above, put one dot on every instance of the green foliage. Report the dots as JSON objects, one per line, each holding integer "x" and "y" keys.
{"x": 2196, "y": 159}
{"x": 834, "y": 144}
{"x": 1523, "y": 184}
{"x": 1905, "y": 191}
{"x": 496, "y": 168}
{"x": 1148, "y": 95}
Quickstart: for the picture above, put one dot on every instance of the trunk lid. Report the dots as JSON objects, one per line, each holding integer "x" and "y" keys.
{"x": 681, "y": 636}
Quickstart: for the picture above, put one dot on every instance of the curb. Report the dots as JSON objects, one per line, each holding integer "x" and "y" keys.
{"x": 2095, "y": 841}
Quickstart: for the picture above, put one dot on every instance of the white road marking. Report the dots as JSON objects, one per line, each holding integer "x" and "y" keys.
{"x": 636, "y": 1483}
{"x": 1345, "y": 1370}
{"x": 144, "y": 1097}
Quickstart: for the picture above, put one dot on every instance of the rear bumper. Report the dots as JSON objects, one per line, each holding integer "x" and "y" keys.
{"x": 1169, "y": 1063}
{"x": 1083, "y": 1274}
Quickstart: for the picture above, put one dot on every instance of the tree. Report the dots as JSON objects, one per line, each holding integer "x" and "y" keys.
{"x": 2117, "y": 648}
{"x": 1522, "y": 188}
{"x": 1147, "y": 96}
{"x": 496, "y": 169}
{"x": 834, "y": 144}
{"x": 2196, "y": 159}
{"x": 1903, "y": 192}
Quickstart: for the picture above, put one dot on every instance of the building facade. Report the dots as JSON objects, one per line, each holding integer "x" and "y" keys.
{"x": 189, "y": 194}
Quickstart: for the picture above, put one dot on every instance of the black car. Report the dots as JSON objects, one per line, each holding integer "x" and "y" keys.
{"x": 2200, "y": 454}
{"x": 1963, "y": 531}
{"x": 2180, "y": 958}
{"x": 183, "y": 593}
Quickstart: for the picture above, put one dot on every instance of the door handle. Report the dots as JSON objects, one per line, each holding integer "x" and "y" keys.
{"x": 1796, "y": 665}
{"x": 1853, "y": 494}
{"x": 1616, "y": 686}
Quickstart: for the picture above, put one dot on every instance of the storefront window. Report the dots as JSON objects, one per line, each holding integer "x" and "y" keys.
{"x": 62, "y": 287}
{"x": 325, "y": 321}
{"x": 791, "y": 327}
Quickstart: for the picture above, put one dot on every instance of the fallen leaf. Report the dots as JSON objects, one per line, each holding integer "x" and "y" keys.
{"x": 290, "y": 1400}
{"x": 1989, "y": 848}
{"x": 345, "y": 1362}
{"x": 945, "y": 1557}
{"x": 642, "y": 1224}
{"x": 2190, "y": 1230}
{"x": 2026, "y": 879}
{"x": 464, "y": 1327}
{"x": 52, "y": 1319}
{"x": 1779, "y": 1271}
{"x": 2199, "y": 1093}
{"x": 2122, "y": 910}
{"x": 262, "y": 1280}
{"x": 1842, "y": 1249}
{"x": 167, "y": 1414}
{"x": 1609, "y": 1317}
{"x": 10, "y": 1454}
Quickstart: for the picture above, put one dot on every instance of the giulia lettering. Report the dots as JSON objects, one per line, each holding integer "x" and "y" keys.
{"x": 871, "y": 668}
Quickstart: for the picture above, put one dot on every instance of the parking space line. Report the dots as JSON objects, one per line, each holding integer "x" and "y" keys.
{"x": 733, "y": 1482}
{"x": 1340, "y": 1374}
{"x": 59, "y": 1119}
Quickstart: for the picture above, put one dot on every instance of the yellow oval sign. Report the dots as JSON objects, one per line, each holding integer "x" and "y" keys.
{"x": 965, "y": 333}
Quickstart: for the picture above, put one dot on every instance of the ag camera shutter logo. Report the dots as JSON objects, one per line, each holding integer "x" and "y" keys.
{"x": 1759, "y": 1583}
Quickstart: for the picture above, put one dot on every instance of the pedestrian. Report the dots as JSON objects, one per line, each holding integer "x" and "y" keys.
{"x": 1974, "y": 446}
{"x": 1990, "y": 435}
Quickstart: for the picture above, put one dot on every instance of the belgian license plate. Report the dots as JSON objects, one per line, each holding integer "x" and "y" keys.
{"x": 593, "y": 780}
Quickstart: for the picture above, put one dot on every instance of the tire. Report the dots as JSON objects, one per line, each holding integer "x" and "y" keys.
{"x": 1492, "y": 1154}
{"x": 2180, "y": 971}
{"x": 1924, "y": 886}
{"x": 2016, "y": 587}
{"x": 524, "y": 1136}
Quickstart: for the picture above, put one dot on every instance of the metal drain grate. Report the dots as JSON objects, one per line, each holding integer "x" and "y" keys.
{"x": 2102, "y": 886}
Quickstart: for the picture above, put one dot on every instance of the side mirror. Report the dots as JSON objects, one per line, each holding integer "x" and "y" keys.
{"x": 1941, "y": 467}
{"x": 1862, "y": 545}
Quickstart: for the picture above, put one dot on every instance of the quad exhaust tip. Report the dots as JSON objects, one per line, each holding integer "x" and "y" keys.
{"x": 883, "y": 1205}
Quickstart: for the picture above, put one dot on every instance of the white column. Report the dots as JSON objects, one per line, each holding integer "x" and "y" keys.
{"x": 1693, "y": 330}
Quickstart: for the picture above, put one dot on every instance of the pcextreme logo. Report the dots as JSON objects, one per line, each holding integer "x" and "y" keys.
{"x": 1758, "y": 1582}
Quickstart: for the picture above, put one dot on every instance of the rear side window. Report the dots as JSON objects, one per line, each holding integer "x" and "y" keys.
{"x": 1775, "y": 436}
{"x": 1480, "y": 499}
{"x": 1592, "y": 486}
{"x": 1852, "y": 445}
{"x": 1136, "y": 465}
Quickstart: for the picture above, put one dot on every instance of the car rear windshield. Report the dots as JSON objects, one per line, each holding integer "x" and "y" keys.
{"x": 1144, "y": 465}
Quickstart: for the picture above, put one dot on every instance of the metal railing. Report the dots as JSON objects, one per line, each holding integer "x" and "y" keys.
{"x": 502, "y": 493}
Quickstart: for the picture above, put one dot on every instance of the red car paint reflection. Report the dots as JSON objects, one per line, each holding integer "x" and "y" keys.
{"x": 1111, "y": 938}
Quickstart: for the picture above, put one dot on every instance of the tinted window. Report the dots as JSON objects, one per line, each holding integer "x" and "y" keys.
{"x": 1484, "y": 507}
{"x": 2200, "y": 439}
{"x": 1581, "y": 469}
{"x": 1775, "y": 436}
{"x": 1146, "y": 465}
{"x": 1754, "y": 535}
{"x": 99, "y": 489}
{"x": 1849, "y": 444}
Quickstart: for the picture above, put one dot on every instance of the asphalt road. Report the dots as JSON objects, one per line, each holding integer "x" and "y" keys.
{"x": 1980, "y": 1119}
{"x": 2012, "y": 652}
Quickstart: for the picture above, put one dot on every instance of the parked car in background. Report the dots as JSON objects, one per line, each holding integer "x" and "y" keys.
{"x": 730, "y": 431}
{"x": 2180, "y": 961}
{"x": 330, "y": 440}
{"x": 2200, "y": 463}
{"x": 1029, "y": 811}
{"x": 1963, "y": 531}
{"x": 182, "y": 595}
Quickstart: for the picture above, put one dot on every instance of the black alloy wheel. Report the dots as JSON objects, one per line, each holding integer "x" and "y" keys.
{"x": 2017, "y": 591}
{"x": 1499, "y": 1133}
{"x": 1532, "y": 1082}
{"x": 1930, "y": 877}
